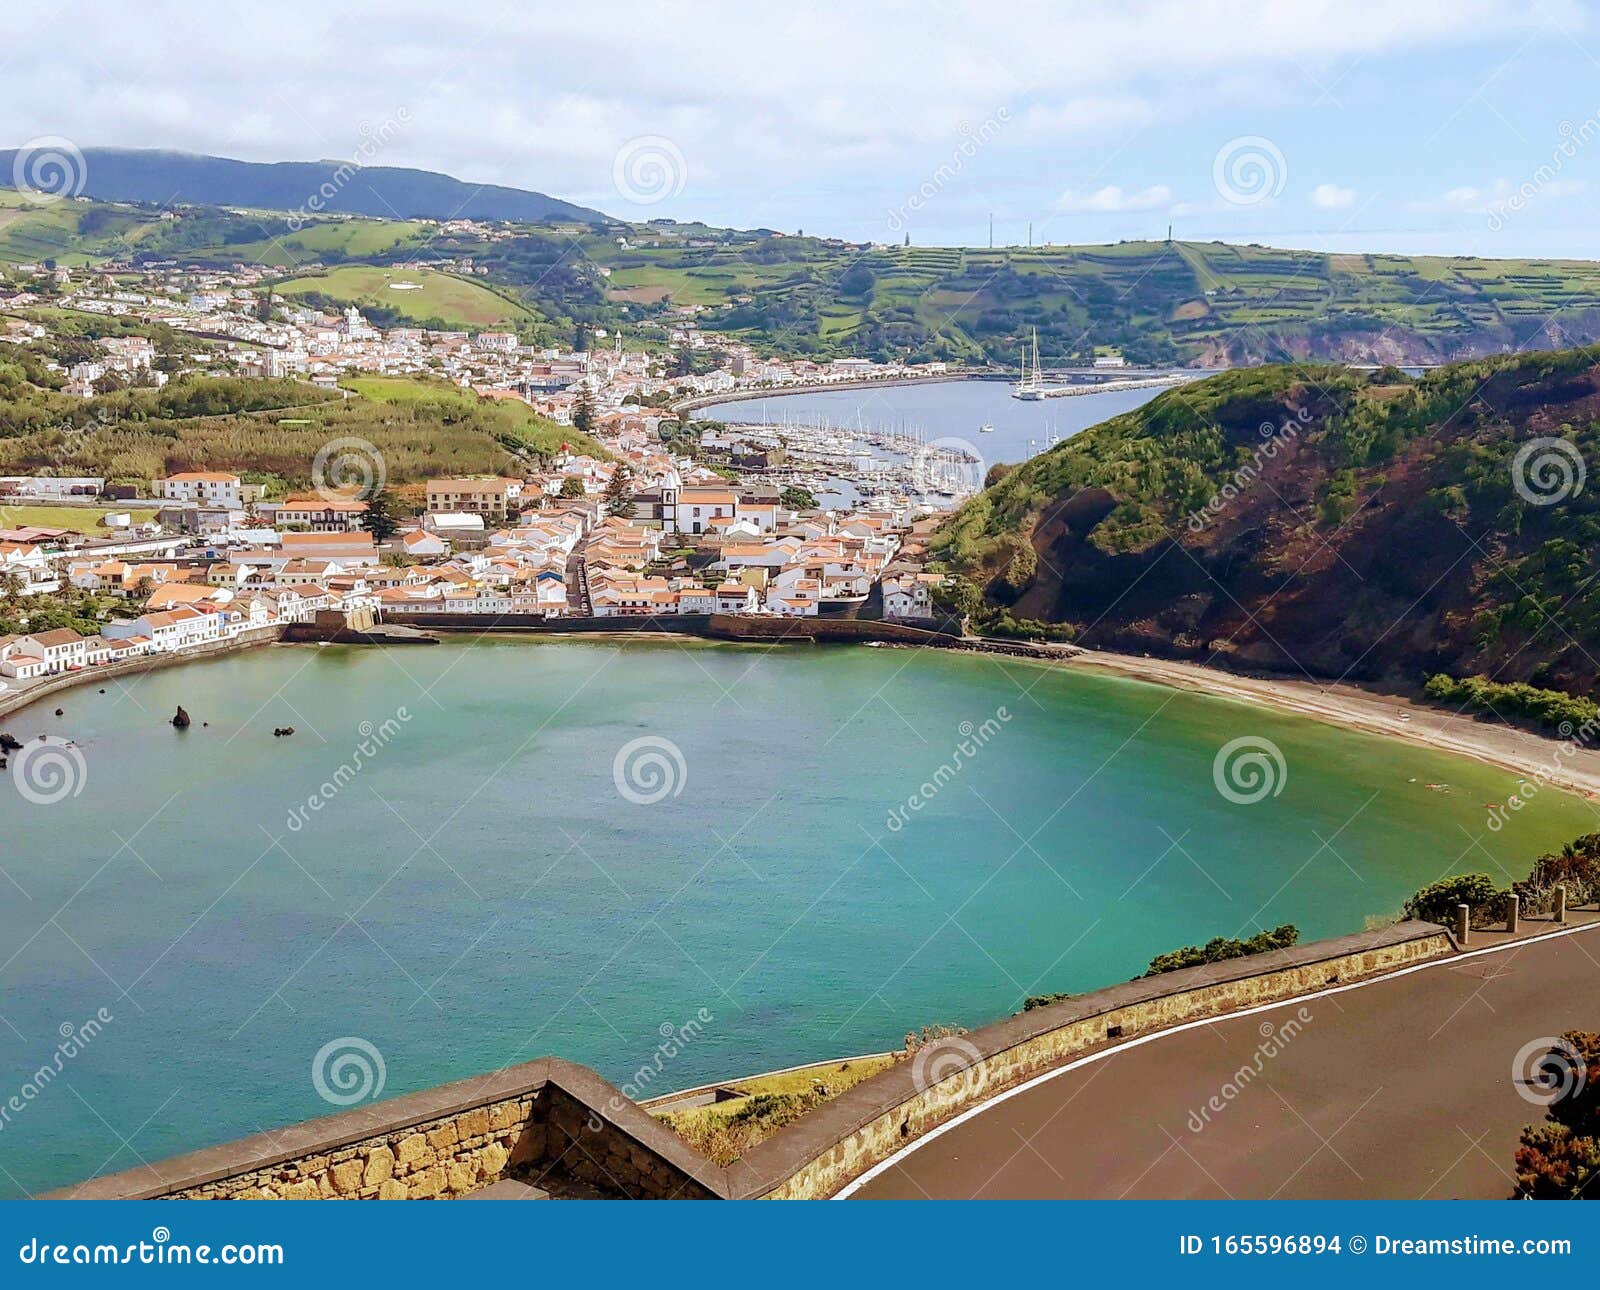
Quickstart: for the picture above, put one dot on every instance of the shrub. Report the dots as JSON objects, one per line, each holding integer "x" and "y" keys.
{"x": 1220, "y": 948}
{"x": 1436, "y": 903}
{"x": 1576, "y": 866}
{"x": 1550, "y": 708}
{"x": 1560, "y": 1159}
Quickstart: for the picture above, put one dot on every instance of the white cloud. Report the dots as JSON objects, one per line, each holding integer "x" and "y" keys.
{"x": 1330, "y": 197}
{"x": 1112, "y": 199}
{"x": 822, "y": 112}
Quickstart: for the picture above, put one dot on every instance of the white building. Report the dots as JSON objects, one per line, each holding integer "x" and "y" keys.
{"x": 215, "y": 487}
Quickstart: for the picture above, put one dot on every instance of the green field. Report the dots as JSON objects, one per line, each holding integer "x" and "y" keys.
{"x": 451, "y": 300}
{"x": 85, "y": 519}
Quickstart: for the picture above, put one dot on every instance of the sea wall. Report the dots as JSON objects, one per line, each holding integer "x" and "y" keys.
{"x": 563, "y": 1128}
{"x": 12, "y": 700}
{"x": 726, "y": 627}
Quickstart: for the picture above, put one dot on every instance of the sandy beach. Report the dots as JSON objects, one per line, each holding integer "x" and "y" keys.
{"x": 1559, "y": 763}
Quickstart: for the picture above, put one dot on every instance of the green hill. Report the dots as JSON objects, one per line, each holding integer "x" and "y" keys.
{"x": 1311, "y": 520}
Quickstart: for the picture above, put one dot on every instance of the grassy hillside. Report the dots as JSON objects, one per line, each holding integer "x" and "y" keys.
{"x": 413, "y": 296}
{"x": 267, "y": 429}
{"x": 1312, "y": 520}
{"x": 1205, "y": 303}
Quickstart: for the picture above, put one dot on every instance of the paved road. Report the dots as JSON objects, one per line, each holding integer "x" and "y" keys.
{"x": 1402, "y": 1088}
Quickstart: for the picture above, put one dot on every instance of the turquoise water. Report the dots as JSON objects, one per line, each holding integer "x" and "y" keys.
{"x": 479, "y": 892}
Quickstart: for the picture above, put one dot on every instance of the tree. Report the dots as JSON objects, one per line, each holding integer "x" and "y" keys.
{"x": 382, "y": 521}
{"x": 619, "y": 492}
{"x": 1560, "y": 1159}
{"x": 798, "y": 499}
{"x": 583, "y": 413}
{"x": 572, "y": 486}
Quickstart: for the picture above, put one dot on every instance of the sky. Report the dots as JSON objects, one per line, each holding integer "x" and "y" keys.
{"x": 1469, "y": 127}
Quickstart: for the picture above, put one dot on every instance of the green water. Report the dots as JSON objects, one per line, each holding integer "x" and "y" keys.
{"x": 480, "y": 893}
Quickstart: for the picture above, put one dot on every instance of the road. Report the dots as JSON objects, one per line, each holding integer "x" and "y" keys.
{"x": 1401, "y": 1088}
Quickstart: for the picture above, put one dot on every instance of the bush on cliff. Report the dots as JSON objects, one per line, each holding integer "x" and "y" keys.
{"x": 1436, "y": 903}
{"x": 1221, "y": 948}
{"x": 1560, "y": 1159}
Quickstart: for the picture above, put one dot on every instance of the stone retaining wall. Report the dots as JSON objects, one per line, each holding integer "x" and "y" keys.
{"x": 548, "y": 1122}
{"x": 839, "y": 1141}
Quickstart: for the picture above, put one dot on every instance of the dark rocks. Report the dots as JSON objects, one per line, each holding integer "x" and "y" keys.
{"x": 61, "y": 712}
{"x": 283, "y": 732}
{"x": 180, "y": 720}
{"x": 9, "y": 743}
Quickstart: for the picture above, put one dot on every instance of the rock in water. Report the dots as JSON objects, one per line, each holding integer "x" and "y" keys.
{"x": 180, "y": 720}
{"x": 8, "y": 742}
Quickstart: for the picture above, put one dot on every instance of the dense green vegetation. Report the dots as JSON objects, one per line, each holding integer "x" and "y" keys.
{"x": 418, "y": 428}
{"x": 1517, "y": 699}
{"x": 1393, "y": 525}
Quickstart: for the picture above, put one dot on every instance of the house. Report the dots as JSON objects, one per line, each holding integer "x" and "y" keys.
{"x": 493, "y": 497}
{"x": 906, "y": 598}
{"x": 736, "y": 598}
{"x": 216, "y": 488}
{"x": 697, "y": 507}
{"x": 320, "y": 514}
{"x": 697, "y": 600}
{"x": 20, "y": 659}
{"x": 170, "y": 629}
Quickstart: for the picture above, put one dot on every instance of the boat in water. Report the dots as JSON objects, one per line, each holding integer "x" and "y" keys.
{"x": 985, "y": 429}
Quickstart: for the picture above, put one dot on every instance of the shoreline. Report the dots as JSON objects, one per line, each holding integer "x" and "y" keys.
{"x": 1543, "y": 759}
{"x": 14, "y": 701}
